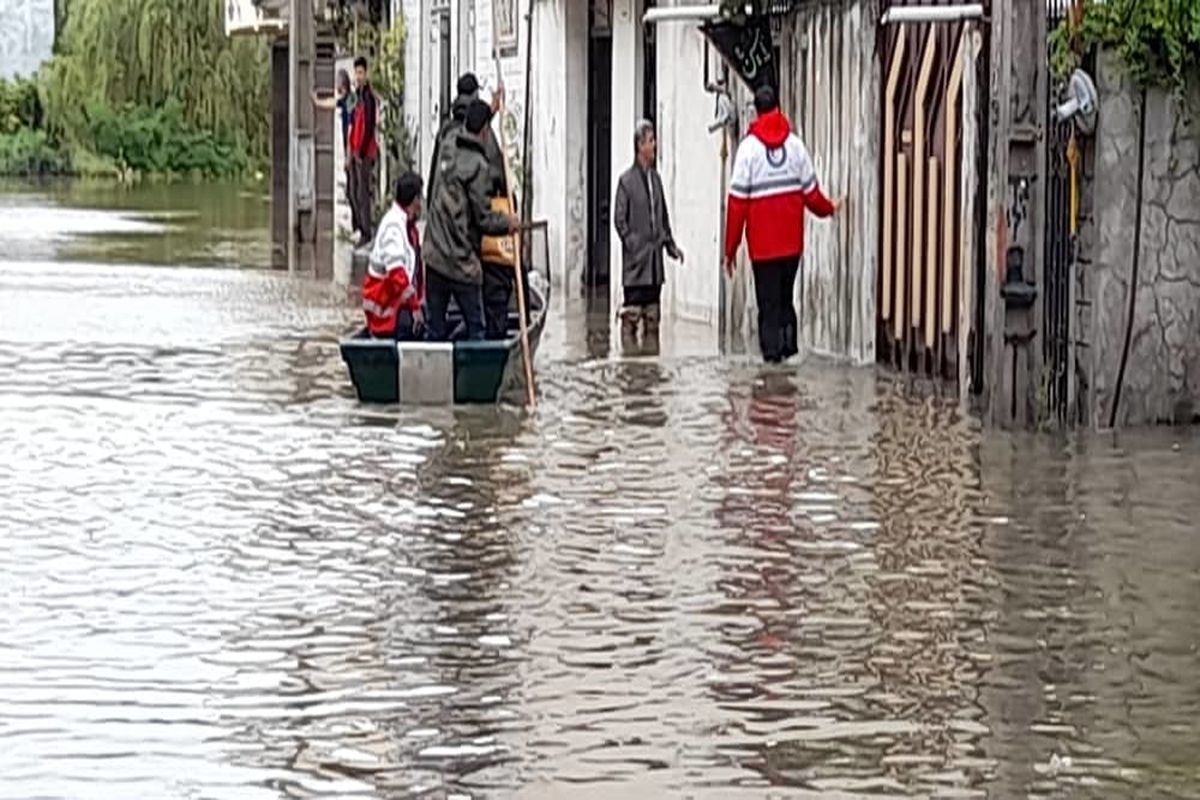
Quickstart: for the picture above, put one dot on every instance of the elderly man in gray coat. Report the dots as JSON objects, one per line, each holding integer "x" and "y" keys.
{"x": 641, "y": 219}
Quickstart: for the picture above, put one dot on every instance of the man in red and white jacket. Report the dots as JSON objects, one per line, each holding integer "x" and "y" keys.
{"x": 773, "y": 183}
{"x": 394, "y": 286}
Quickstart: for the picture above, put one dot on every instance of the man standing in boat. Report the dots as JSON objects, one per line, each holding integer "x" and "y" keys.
{"x": 460, "y": 215}
{"x": 393, "y": 288}
{"x": 644, "y": 226}
{"x": 773, "y": 183}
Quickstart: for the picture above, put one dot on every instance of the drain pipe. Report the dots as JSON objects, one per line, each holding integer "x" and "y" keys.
{"x": 725, "y": 118}
{"x": 1137, "y": 260}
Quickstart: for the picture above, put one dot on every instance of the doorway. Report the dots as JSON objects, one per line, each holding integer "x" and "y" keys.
{"x": 599, "y": 138}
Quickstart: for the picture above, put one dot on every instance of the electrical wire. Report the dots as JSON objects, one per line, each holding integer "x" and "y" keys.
{"x": 1137, "y": 260}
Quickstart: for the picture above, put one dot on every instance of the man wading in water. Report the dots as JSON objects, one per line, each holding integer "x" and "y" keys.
{"x": 641, "y": 219}
{"x": 773, "y": 183}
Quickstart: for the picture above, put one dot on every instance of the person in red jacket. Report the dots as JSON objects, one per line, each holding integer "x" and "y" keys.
{"x": 394, "y": 286}
{"x": 364, "y": 151}
{"x": 773, "y": 183}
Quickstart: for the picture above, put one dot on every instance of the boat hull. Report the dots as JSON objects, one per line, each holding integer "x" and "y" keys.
{"x": 439, "y": 373}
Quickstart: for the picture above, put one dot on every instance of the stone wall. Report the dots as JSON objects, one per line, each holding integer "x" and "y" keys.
{"x": 26, "y": 35}
{"x": 1162, "y": 374}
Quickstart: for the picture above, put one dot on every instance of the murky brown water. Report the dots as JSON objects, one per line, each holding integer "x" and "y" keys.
{"x": 685, "y": 577}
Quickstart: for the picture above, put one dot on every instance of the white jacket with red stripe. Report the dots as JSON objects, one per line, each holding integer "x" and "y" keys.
{"x": 773, "y": 183}
{"x": 393, "y": 281}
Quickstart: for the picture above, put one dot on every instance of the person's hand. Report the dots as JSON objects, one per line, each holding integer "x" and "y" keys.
{"x": 418, "y": 319}
{"x": 676, "y": 253}
{"x": 514, "y": 223}
{"x": 730, "y": 264}
{"x": 838, "y": 203}
{"x": 498, "y": 98}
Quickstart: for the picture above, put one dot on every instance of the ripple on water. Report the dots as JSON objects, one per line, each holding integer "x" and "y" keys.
{"x": 219, "y": 577}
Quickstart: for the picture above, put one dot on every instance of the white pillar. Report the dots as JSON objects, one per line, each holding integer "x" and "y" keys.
{"x": 627, "y": 71}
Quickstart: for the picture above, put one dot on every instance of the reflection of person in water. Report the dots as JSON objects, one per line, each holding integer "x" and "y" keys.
{"x": 758, "y": 499}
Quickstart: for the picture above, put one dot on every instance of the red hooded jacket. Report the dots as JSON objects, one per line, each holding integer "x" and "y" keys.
{"x": 773, "y": 182}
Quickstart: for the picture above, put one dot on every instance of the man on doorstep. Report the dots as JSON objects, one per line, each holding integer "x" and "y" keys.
{"x": 644, "y": 226}
{"x": 393, "y": 288}
{"x": 364, "y": 151}
{"x": 773, "y": 183}
{"x": 460, "y": 215}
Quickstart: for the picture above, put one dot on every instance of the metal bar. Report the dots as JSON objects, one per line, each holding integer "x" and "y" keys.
{"x": 680, "y": 13}
{"x": 918, "y": 14}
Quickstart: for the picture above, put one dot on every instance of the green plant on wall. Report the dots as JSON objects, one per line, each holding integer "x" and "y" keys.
{"x": 1157, "y": 40}
{"x": 395, "y": 139}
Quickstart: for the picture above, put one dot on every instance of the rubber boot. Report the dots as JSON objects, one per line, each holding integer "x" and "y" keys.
{"x": 630, "y": 317}
{"x": 650, "y": 319}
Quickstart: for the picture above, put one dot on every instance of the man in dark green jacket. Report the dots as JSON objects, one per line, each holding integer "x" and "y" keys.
{"x": 459, "y": 216}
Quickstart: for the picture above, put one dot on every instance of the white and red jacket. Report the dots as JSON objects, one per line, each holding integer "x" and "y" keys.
{"x": 394, "y": 281}
{"x": 773, "y": 182}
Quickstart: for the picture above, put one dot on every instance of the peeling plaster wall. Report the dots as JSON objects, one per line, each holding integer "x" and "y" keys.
{"x": 1162, "y": 376}
{"x": 830, "y": 89}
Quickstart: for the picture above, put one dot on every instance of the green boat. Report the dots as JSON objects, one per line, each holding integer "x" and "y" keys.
{"x": 442, "y": 373}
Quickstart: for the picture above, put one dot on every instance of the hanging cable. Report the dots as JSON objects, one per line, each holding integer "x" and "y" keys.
{"x": 1137, "y": 260}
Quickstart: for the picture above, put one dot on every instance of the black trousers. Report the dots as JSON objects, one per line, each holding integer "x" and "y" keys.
{"x": 778, "y": 328}
{"x": 438, "y": 291}
{"x": 360, "y": 185}
{"x": 642, "y": 295}
{"x": 497, "y": 294}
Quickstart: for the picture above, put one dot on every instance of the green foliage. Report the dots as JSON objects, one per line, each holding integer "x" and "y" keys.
{"x": 1157, "y": 40}
{"x": 159, "y": 141}
{"x": 20, "y": 106}
{"x": 395, "y": 138}
{"x": 27, "y": 152}
{"x": 144, "y": 53}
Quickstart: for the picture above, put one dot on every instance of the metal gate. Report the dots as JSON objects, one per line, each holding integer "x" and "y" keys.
{"x": 1060, "y": 243}
{"x": 924, "y": 269}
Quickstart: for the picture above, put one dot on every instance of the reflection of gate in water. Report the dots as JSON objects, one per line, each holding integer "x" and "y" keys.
{"x": 925, "y": 271}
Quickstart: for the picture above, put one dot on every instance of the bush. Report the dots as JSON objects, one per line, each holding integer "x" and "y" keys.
{"x": 28, "y": 153}
{"x": 159, "y": 141}
{"x": 20, "y": 106}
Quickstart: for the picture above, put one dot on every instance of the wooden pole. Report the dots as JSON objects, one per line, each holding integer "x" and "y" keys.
{"x": 522, "y": 322}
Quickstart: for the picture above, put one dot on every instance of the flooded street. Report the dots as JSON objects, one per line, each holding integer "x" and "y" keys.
{"x": 221, "y": 577}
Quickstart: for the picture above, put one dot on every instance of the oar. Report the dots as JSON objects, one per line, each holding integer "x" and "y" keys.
{"x": 526, "y": 356}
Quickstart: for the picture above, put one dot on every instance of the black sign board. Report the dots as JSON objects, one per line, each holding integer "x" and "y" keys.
{"x": 746, "y": 45}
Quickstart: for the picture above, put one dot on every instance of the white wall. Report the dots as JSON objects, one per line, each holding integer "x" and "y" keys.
{"x": 416, "y": 32}
{"x": 558, "y": 100}
{"x": 690, "y": 166}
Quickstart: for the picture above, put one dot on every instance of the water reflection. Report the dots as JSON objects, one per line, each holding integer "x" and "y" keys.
{"x": 681, "y": 577}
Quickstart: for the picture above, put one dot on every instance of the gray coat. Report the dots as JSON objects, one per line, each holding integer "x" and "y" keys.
{"x": 644, "y": 227}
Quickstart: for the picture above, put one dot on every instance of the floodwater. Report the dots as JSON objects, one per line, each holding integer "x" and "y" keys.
{"x": 682, "y": 576}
